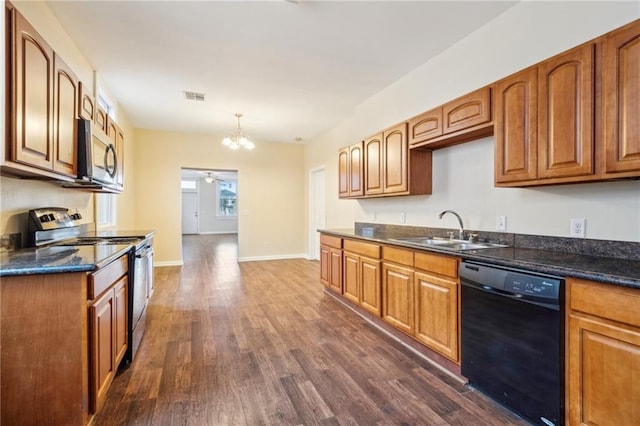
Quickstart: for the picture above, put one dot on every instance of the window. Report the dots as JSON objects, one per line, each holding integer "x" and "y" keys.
{"x": 227, "y": 198}
{"x": 105, "y": 205}
{"x": 188, "y": 185}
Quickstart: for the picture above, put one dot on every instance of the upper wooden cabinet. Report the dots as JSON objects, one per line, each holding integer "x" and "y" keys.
{"x": 116, "y": 135}
{"x": 350, "y": 171}
{"x": 465, "y": 118}
{"x": 544, "y": 120}
{"x": 87, "y": 103}
{"x": 573, "y": 117}
{"x": 621, "y": 97}
{"x": 42, "y": 92}
{"x": 390, "y": 168}
{"x": 100, "y": 119}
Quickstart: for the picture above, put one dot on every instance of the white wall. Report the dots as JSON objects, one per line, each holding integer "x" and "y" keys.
{"x": 463, "y": 175}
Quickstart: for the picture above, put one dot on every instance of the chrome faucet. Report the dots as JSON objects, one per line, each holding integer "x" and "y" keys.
{"x": 461, "y": 231}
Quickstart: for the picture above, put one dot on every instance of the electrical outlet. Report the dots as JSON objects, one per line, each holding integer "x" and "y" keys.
{"x": 501, "y": 223}
{"x": 403, "y": 217}
{"x": 578, "y": 227}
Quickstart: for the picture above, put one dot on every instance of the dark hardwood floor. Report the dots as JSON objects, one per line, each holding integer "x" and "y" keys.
{"x": 259, "y": 343}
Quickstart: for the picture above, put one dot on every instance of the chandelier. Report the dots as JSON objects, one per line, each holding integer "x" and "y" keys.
{"x": 238, "y": 139}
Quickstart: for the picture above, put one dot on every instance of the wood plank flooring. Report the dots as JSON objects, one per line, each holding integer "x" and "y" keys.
{"x": 259, "y": 343}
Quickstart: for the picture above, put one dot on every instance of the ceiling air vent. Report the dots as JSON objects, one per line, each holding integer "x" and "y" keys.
{"x": 194, "y": 96}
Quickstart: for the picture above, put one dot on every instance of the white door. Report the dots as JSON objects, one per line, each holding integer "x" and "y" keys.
{"x": 190, "y": 213}
{"x": 317, "y": 213}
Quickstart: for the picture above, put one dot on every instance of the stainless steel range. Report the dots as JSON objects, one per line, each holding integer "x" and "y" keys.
{"x": 55, "y": 226}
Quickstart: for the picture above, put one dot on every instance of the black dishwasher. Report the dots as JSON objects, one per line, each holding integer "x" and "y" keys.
{"x": 512, "y": 339}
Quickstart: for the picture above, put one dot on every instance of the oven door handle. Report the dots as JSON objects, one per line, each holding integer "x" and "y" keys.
{"x": 146, "y": 252}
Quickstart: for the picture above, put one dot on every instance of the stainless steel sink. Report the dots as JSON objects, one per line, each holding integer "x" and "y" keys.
{"x": 446, "y": 243}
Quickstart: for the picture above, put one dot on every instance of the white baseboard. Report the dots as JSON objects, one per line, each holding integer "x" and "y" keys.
{"x": 217, "y": 233}
{"x": 169, "y": 263}
{"x": 278, "y": 257}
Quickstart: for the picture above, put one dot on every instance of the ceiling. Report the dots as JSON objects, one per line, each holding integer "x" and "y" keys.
{"x": 293, "y": 68}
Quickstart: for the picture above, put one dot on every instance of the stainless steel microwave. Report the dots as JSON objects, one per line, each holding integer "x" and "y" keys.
{"x": 97, "y": 157}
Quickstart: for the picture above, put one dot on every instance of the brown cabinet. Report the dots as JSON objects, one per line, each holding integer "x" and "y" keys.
{"x": 42, "y": 96}
{"x": 87, "y": 103}
{"x": 391, "y": 169}
{"x": 603, "y": 354}
{"x": 350, "y": 171}
{"x": 398, "y": 289}
{"x": 465, "y": 118}
{"x": 331, "y": 262}
{"x": 436, "y": 303}
{"x": 100, "y": 119}
{"x": 621, "y": 98}
{"x": 573, "y": 117}
{"x": 361, "y": 274}
{"x": 108, "y": 325}
{"x": 116, "y": 135}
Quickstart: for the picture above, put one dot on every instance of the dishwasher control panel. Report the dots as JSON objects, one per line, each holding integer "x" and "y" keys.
{"x": 531, "y": 284}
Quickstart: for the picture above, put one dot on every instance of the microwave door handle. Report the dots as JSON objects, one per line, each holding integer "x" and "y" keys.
{"x": 112, "y": 149}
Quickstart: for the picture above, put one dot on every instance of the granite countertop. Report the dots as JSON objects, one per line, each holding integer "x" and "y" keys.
{"x": 622, "y": 271}
{"x": 59, "y": 259}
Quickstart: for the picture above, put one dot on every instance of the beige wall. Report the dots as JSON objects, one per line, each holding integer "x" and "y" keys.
{"x": 463, "y": 175}
{"x": 18, "y": 195}
{"x": 270, "y": 188}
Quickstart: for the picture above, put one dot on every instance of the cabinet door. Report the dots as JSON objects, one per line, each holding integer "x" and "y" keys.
{"x": 101, "y": 315}
{"x": 87, "y": 103}
{"x": 397, "y": 297}
{"x": 603, "y": 370}
{"x": 356, "y": 167}
{"x": 370, "y": 285}
{"x": 373, "y": 161}
{"x": 33, "y": 91}
{"x": 437, "y": 314}
{"x": 621, "y": 92}
{"x": 467, "y": 111}
{"x": 325, "y": 265}
{"x": 335, "y": 271}
{"x": 565, "y": 114}
{"x": 120, "y": 153}
{"x": 120, "y": 313}
{"x": 395, "y": 164}
{"x": 65, "y": 140}
{"x": 100, "y": 119}
{"x": 516, "y": 121}
{"x": 425, "y": 126}
{"x": 351, "y": 277}
{"x": 343, "y": 173}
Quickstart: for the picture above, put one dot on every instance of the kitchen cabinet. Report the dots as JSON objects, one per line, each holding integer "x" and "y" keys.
{"x": 117, "y": 137}
{"x": 87, "y": 103}
{"x": 331, "y": 262}
{"x": 460, "y": 120}
{"x": 350, "y": 171}
{"x": 398, "y": 289}
{"x": 100, "y": 119}
{"x": 361, "y": 274}
{"x": 621, "y": 98}
{"x": 603, "y": 354}
{"x": 108, "y": 325}
{"x": 391, "y": 169}
{"x": 41, "y": 106}
{"x": 544, "y": 121}
{"x": 437, "y": 303}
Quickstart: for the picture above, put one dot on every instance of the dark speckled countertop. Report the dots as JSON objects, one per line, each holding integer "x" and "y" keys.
{"x": 604, "y": 261}
{"x": 58, "y": 259}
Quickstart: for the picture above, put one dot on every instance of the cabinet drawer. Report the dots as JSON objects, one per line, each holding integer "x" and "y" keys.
{"x": 327, "y": 240}
{"x": 362, "y": 248}
{"x": 606, "y": 301}
{"x": 105, "y": 277}
{"x": 396, "y": 255}
{"x": 441, "y": 265}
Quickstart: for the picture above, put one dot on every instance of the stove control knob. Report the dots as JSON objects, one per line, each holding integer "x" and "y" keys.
{"x": 52, "y": 217}
{"x": 44, "y": 218}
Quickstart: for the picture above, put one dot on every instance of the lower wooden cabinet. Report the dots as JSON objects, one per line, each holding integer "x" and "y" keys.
{"x": 331, "y": 262}
{"x": 361, "y": 275}
{"x": 398, "y": 297}
{"x": 437, "y": 314}
{"x": 602, "y": 354}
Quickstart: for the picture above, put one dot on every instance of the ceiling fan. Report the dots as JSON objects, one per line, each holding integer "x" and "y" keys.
{"x": 211, "y": 178}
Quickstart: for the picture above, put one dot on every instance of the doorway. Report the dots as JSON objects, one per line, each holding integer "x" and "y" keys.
{"x": 209, "y": 201}
{"x": 317, "y": 210}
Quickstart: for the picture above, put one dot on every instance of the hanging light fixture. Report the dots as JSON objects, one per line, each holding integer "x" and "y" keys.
{"x": 209, "y": 178}
{"x": 238, "y": 139}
